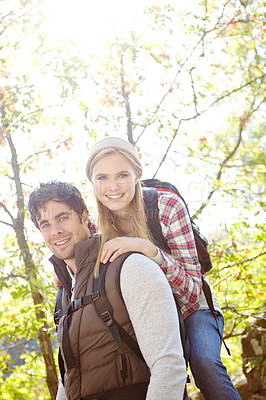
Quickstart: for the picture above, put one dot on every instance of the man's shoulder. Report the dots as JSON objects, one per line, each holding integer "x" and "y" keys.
{"x": 138, "y": 266}
{"x": 138, "y": 258}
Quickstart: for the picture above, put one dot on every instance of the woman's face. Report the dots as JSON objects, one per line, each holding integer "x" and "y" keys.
{"x": 114, "y": 180}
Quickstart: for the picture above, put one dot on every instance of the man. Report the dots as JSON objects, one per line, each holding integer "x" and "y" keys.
{"x": 97, "y": 364}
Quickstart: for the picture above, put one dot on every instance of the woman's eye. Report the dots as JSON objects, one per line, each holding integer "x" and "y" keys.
{"x": 101, "y": 178}
{"x": 122, "y": 175}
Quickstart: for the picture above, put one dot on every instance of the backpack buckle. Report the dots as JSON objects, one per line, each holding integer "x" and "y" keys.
{"x": 77, "y": 303}
{"x": 95, "y": 296}
{"x": 56, "y": 317}
{"x": 107, "y": 318}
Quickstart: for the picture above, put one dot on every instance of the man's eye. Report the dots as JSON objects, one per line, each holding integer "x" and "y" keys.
{"x": 63, "y": 218}
{"x": 44, "y": 226}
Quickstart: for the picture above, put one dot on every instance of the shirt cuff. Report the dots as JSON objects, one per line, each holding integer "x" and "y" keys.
{"x": 158, "y": 258}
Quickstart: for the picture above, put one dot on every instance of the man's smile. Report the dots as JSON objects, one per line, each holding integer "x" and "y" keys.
{"x": 61, "y": 242}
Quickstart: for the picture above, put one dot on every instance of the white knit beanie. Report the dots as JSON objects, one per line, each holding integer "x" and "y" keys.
{"x": 112, "y": 143}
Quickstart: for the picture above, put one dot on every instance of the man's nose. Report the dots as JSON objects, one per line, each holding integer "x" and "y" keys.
{"x": 56, "y": 230}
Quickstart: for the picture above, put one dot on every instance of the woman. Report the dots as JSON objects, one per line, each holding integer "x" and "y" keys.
{"x": 114, "y": 169}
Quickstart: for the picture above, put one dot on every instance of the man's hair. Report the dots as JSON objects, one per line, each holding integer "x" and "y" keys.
{"x": 58, "y": 191}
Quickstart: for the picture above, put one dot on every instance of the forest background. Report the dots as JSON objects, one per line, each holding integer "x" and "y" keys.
{"x": 185, "y": 82}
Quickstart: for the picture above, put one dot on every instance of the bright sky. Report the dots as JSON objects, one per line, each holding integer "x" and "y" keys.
{"x": 91, "y": 21}
{"x": 85, "y": 26}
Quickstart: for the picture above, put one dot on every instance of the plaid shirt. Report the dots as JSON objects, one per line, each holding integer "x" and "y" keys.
{"x": 182, "y": 268}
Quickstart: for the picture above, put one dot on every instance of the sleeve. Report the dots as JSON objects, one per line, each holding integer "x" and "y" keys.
{"x": 182, "y": 268}
{"x": 153, "y": 314}
{"x": 61, "y": 394}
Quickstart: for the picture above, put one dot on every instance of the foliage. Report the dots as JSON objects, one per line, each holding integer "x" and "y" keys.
{"x": 16, "y": 387}
{"x": 238, "y": 279}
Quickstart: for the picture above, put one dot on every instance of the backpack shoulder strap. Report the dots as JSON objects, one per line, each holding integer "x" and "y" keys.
{"x": 103, "y": 308}
{"x": 105, "y": 312}
{"x": 58, "y": 306}
{"x": 208, "y": 295}
{"x": 150, "y": 199}
{"x": 153, "y": 222}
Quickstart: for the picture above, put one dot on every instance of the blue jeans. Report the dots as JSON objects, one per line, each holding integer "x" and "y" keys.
{"x": 205, "y": 362}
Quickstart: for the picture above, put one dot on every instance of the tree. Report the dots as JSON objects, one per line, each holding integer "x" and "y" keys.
{"x": 192, "y": 83}
{"x": 22, "y": 106}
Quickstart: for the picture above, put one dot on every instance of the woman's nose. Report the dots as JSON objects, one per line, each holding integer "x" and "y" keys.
{"x": 113, "y": 185}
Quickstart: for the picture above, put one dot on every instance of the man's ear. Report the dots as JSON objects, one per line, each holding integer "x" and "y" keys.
{"x": 85, "y": 218}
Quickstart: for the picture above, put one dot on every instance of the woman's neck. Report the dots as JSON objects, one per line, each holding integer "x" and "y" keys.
{"x": 123, "y": 222}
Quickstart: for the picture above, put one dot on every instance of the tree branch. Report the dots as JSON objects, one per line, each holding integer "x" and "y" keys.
{"x": 6, "y": 223}
{"x": 229, "y": 156}
{"x": 194, "y": 92}
{"x": 14, "y": 20}
{"x": 2, "y": 205}
{"x": 181, "y": 66}
{"x": 12, "y": 276}
{"x": 15, "y": 167}
{"x": 28, "y": 116}
{"x": 247, "y": 260}
{"x": 126, "y": 100}
{"x": 168, "y": 148}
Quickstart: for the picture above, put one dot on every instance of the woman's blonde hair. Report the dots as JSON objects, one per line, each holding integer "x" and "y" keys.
{"x": 136, "y": 206}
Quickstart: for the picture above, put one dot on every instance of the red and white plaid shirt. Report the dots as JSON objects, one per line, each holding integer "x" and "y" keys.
{"x": 182, "y": 269}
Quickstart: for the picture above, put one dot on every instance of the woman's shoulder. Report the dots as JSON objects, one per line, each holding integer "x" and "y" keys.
{"x": 170, "y": 199}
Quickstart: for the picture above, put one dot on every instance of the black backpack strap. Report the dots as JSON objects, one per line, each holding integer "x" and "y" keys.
{"x": 58, "y": 306}
{"x": 68, "y": 310}
{"x": 74, "y": 305}
{"x": 105, "y": 312}
{"x": 155, "y": 228}
{"x": 208, "y": 295}
{"x": 150, "y": 198}
{"x": 61, "y": 367}
{"x": 201, "y": 246}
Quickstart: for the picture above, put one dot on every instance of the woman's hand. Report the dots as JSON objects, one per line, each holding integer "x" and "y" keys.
{"x": 120, "y": 245}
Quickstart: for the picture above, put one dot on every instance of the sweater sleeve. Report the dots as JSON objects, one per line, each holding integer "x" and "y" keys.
{"x": 152, "y": 311}
{"x": 182, "y": 268}
{"x": 61, "y": 394}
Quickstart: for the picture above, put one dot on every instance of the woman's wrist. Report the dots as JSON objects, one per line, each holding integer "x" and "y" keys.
{"x": 158, "y": 258}
{"x": 149, "y": 249}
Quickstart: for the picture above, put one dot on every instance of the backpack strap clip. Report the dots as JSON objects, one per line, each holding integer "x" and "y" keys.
{"x": 77, "y": 303}
{"x": 57, "y": 317}
{"x": 95, "y": 296}
{"x": 107, "y": 318}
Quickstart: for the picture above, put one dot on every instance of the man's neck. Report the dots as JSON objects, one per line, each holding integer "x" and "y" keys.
{"x": 72, "y": 265}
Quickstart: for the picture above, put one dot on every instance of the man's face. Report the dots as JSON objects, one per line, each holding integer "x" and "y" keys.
{"x": 62, "y": 229}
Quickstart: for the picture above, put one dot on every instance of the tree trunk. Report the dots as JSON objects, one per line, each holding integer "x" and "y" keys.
{"x": 43, "y": 334}
{"x": 31, "y": 273}
{"x": 254, "y": 352}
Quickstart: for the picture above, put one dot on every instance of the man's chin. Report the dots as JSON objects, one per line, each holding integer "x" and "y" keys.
{"x": 65, "y": 257}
